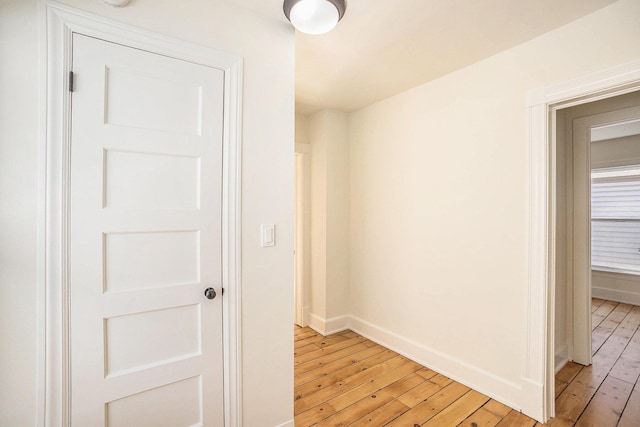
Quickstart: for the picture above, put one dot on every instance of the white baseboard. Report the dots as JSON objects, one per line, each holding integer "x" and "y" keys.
{"x": 316, "y": 323}
{"x": 493, "y": 386}
{"x": 616, "y": 295}
{"x": 328, "y": 326}
{"x": 306, "y": 315}
{"x": 561, "y": 357}
{"x": 287, "y": 424}
{"x": 531, "y": 399}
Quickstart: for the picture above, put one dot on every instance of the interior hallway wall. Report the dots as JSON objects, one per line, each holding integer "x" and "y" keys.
{"x": 267, "y": 46}
{"x": 328, "y": 135}
{"x": 18, "y": 211}
{"x": 439, "y": 201}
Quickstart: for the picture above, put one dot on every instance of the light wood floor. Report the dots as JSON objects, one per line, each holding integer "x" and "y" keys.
{"x": 345, "y": 379}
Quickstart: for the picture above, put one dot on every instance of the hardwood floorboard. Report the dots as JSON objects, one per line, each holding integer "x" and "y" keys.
{"x": 419, "y": 394}
{"x": 342, "y": 387}
{"x": 608, "y": 326}
{"x": 317, "y": 362}
{"x": 569, "y": 372}
{"x": 325, "y": 352}
{"x": 312, "y": 339}
{"x": 382, "y": 415}
{"x": 481, "y": 418}
{"x": 595, "y": 303}
{"x": 516, "y": 419}
{"x": 404, "y": 385}
{"x": 459, "y": 410}
{"x": 344, "y": 373}
{"x": 379, "y": 382}
{"x": 606, "y": 406}
{"x": 427, "y": 373}
{"x": 356, "y": 411}
{"x": 497, "y": 408}
{"x": 556, "y": 422}
{"x": 631, "y": 415}
{"x": 346, "y": 380}
{"x": 601, "y": 313}
{"x": 334, "y": 340}
{"x": 308, "y": 334}
{"x": 560, "y": 387}
{"x": 428, "y": 408}
{"x": 354, "y": 389}
{"x": 627, "y": 368}
{"x": 304, "y": 350}
{"x": 357, "y": 358}
{"x": 573, "y": 400}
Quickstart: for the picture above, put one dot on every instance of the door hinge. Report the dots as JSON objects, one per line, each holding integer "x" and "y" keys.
{"x": 222, "y": 291}
{"x": 70, "y": 81}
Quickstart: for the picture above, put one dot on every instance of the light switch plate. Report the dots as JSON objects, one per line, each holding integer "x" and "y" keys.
{"x": 267, "y": 235}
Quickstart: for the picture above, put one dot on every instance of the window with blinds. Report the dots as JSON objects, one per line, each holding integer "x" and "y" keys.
{"x": 615, "y": 219}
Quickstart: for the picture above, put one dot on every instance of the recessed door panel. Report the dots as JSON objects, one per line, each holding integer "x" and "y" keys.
{"x": 159, "y": 407}
{"x": 175, "y": 105}
{"x": 151, "y": 181}
{"x": 142, "y": 340}
{"x": 144, "y": 260}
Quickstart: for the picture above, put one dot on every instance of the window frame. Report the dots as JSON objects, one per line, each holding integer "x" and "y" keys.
{"x": 620, "y": 173}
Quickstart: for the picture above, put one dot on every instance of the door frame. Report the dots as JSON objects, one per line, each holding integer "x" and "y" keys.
{"x": 541, "y": 107}
{"x": 58, "y": 23}
{"x": 302, "y": 251}
{"x": 299, "y": 251}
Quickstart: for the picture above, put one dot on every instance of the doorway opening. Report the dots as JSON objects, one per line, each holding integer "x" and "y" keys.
{"x": 543, "y": 106}
{"x": 597, "y": 146}
{"x": 573, "y": 216}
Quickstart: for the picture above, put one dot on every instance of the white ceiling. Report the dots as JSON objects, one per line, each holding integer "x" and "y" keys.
{"x": 383, "y": 47}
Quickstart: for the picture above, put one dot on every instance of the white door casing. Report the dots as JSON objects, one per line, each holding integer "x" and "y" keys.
{"x": 301, "y": 235}
{"x": 299, "y": 245}
{"x": 145, "y": 240}
{"x": 541, "y": 106}
{"x": 54, "y": 370}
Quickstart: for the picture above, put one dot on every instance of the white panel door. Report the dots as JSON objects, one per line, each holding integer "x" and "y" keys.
{"x": 145, "y": 242}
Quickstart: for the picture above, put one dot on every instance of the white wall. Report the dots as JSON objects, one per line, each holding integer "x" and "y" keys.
{"x": 302, "y": 129}
{"x": 267, "y": 46}
{"x": 328, "y": 134}
{"x": 18, "y": 204}
{"x": 439, "y": 202}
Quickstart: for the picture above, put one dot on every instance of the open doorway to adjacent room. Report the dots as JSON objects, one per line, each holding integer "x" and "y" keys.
{"x": 597, "y": 260}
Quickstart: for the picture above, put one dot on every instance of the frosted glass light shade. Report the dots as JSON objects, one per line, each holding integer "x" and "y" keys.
{"x": 116, "y": 3}
{"x": 314, "y": 16}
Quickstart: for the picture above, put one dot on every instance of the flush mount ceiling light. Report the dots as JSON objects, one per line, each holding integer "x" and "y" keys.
{"x": 314, "y": 16}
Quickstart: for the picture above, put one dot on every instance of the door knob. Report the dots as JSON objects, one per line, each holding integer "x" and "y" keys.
{"x": 210, "y": 293}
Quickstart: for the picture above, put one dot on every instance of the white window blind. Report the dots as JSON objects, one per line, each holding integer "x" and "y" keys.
{"x": 615, "y": 219}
